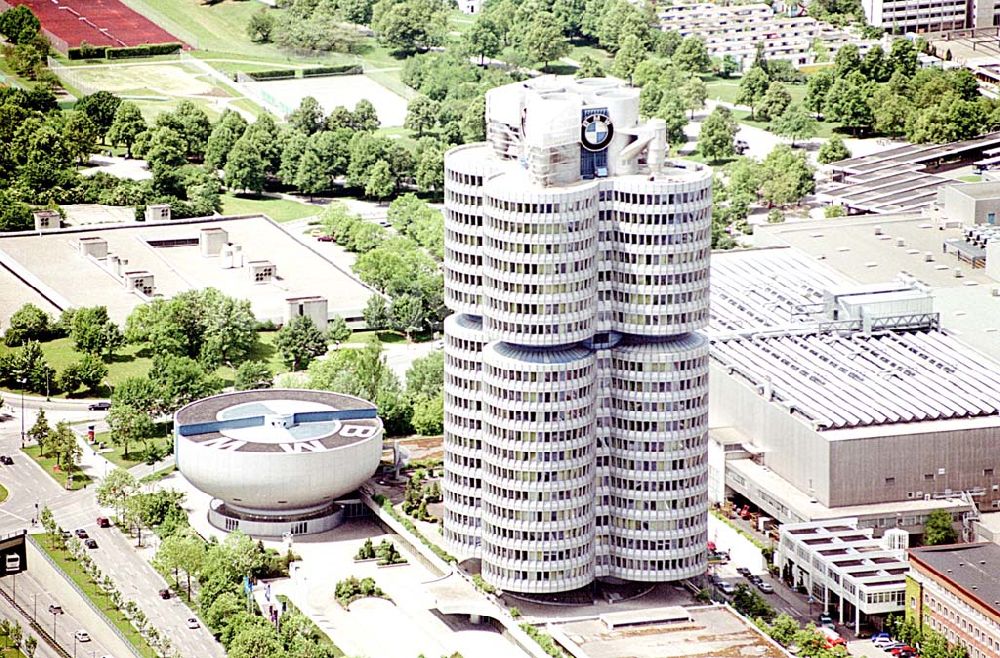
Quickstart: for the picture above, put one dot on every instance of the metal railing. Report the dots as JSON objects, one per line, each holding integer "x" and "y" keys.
{"x": 100, "y": 613}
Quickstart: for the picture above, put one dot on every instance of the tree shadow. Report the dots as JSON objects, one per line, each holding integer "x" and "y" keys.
{"x": 262, "y": 351}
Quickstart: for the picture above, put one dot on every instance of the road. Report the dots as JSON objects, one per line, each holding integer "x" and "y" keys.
{"x": 29, "y": 485}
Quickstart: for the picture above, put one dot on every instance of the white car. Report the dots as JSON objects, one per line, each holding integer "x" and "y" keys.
{"x": 883, "y": 642}
{"x": 82, "y": 636}
{"x": 192, "y": 622}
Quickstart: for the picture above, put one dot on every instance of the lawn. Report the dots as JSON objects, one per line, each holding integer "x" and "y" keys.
{"x": 280, "y": 210}
{"x": 136, "y": 450}
{"x": 3, "y": 493}
{"x": 602, "y": 56}
{"x": 158, "y": 475}
{"x": 73, "y": 569}
{"x": 823, "y": 129}
{"x": 80, "y": 479}
{"x": 729, "y": 90}
{"x": 385, "y": 337}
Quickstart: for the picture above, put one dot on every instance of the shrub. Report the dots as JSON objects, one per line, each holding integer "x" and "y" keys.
{"x": 544, "y": 640}
{"x": 277, "y": 74}
{"x": 834, "y": 211}
{"x": 343, "y": 69}
{"x": 147, "y": 50}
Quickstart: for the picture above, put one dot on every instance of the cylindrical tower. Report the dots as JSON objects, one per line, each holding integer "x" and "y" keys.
{"x": 659, "y": 458}
{"x": 462, "y": 484}
{"x": 465, "y": 170}
{"x": 538, "y": 467}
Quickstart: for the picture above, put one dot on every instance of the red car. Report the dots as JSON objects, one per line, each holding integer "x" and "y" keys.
{"x": 325, "y": 238}
{"x": 898, "y": 650}
{"x": 103, "y": 522}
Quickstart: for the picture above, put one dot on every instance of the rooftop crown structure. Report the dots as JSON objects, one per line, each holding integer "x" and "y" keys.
{"x": 576, "y": 388}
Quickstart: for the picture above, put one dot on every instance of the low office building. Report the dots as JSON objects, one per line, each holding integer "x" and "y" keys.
{"x": 825, "y": 382}
{"x": 955, "y": 590}
{"x": 901, "y": 16}
{"x": 850, "y": 575}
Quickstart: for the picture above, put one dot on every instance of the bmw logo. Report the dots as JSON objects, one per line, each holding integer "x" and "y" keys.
{"x": 596, "y": 132}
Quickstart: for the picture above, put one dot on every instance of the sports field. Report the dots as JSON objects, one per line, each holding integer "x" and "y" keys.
{"x": 345, "y": 90}
{"x": 98, "y": 22}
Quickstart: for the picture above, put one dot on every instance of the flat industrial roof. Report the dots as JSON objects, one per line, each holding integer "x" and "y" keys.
{"x": 984, "y": 190}
{"x": 975, "y": 568}
{"x": 52, "y": 262}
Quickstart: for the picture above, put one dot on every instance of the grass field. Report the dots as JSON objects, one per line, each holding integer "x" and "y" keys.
{"x": 729, "y": 90}
{"x": 74, "y": 570}
{"x": 80, "y": 480}
{"x": 136, "y": 450}
{"x": 280, "y": 210}
{"x": 159, "y": 475}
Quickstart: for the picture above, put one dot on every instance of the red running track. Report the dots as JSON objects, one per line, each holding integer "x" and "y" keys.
{"x": 98, "y": 22}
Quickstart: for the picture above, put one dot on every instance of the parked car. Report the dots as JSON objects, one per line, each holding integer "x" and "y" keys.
{"x": 881, "y": 636}
{"x": 727, "y": 588}
{"x": 55, "y": 609}
{"x": 755, "y": 579}
{"x": 324, "y": 238}
{"x": 192, "y": 622}
{"x": 81, "y": 533}
{"x": 743, "y": 571}
{"x": 164, "y": 593}
{"x": 6, "y": 459}
{"x": 90, "y": 543}
{"x": 82, "y": 636}
{"x": 884, "y": 642}
{"x": 99, "y": 406}
{"x": 103, "y": 522}
{"x": 905, "y": 648}
{"x": 767, "y": 588}
{"x": 826, "y": 620}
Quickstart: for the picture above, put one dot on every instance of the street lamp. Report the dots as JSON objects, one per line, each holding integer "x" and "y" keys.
{"x": 54, "y": 616}
{"x": 23, "y": 383}
{"x": 34, "y": 608}
{"x": 74, "y": 645}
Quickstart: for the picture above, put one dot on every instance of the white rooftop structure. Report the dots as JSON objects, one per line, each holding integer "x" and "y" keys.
{"x": 844, "y": 567}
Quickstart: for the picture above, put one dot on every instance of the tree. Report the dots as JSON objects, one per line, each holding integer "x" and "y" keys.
{"x": 299, "y": 342}
{"x": 181, "y": 380}
{"x": 753, "y": 86}
{"x": 63, "y": 444}
{"x": 127, "y": 125}
{"x": 795, "y": 123}
{"x": 260, "y": 26}
{"x": 421, "y": 115}
{"x": 310, "y": 177}
{"x": 728, "y": 66}
{"x": 847, "y": 61}
{"x": 482, "y": 39}
{"x": 128, "y": 425}
{"x": 80, "y": 135}
{"x": 672, "y": 111}
{"x": 28, "y": 323}
{"x": 19, "y": 24}
{"x": 364, "y": 118}
{"x": 381, "y": 183}
{"x": 89, "y": 371}
{"x": 245, "y": 167}
{"x": 473, "y": 120}
{"x": 407, "y": 314}
{"x": 223, "y": 138}
{"x": 425, "y": 378}
{"x": 308, "y": 117}
{"x": 903, "y": 58}
{"x": 165, "y": 150}
{"x": 376, "y": 313}
{"x": 428, "y": 415}
{"x": 410, "y": 26}
{"x": 890, "y": 112}
{"x": 692, "y": 55}
{"x": 140, "y": 393}
{"x": 750, "y": 604}
{"x": 39, "y": 432}
{"x": 939, "y": 528}
{"x": 630, "y": 54}
{"x": 30, "y": 370}
{"x": 786, "y": 175}
{"x": 832, "y": 151}
{"x": 256, "y": 642}
{"x": 291, "y": 155}
{"x": 715, "y": 141}
{"x": 30, "y": 643}
{"x": 337, "y": 330}
{"x": 848, "y": 102}
{"x": 589, "y": 68}
{"x": 429, "y": 175}
{"x": 192, "y": 124}
{"x": 776, "y": 100}
{"x": 694, "y": 94}
{"x": 115, "y": 488}
{"x": 543, "y": 40}
{"x": 253, "y": 375}
{"x": 93, "y": 332}
{"x": 182, "y": 551}
{"x": 817, "y": 88}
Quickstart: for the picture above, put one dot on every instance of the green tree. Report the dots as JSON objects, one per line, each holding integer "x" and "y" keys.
{"x": 728, "y": 66}
{"x": 63, "y": 444}
{"x": 182, "y": 551}
{"x": 590, "y": 68}
{"x": 181, "y": 380}
{"x": 890, "y": 112}
{"x": 192, "y": 124}
{"x": 308, "y": 117}
{"x": 428, "y": 415}
{"x": 223, "y": 138}
{"x": 30, "y": 370}
{"x": 903, "y": 58}
{"x": 421, "y": 115}
{"x": 750, "y": 604}
{"x": 310, "y": 177}
{"x": 473, "y": 120}
{"x": 93, "y": 332}
{"x": 115, "y": 488}
{"x": 127, "y": 125}
{"x": 939, "y": 528}
{"x": 694, "y": 94}
{"x": 817, "y": 88}
{"x": 832, "y": 150}
{"x": 483, "y": 39}
{"x": 407, "y": 314}
{"x": 256, "y": 642}
{"x": 165, "y": 150}
{"x": 672, "y": 111}
{"x": 425, "y": 378}
{"x": 715, "y": 141}
{"x": 376, "y": 313}
{"x": 429, "y": 175}
{"x": 795, "y": 123}
{"x": 253, "y": 375}
{"x": 776, "y": 100}
{"x": 410, "y": 26}
{"x": 753, "y": 87}
{"x": 245, "y": 167}
{"x": 80, "y": 134}
{"x": 847, "y": 61}
{"x": 337, "y": 330}
{"x": 291, "y": 155}
{"x": 139, "y": 393}
{"x": 543, "y": 40}
{"x": 260, "y": 26}
{"x": 848, "y": 102}
{"x": 28, "y": 323}
{"x": 692, "y": 55}
{"x": 299, "y": 342}
{"x": 39, "y": 432}
{"x": 630, "y": 54}
{"x": 128, "y": 425}
{"x": 381, "y": 183}
{"x": 19, "y": 24}
{"x": 787, "y": 176}
{"x": 89, "y": 371}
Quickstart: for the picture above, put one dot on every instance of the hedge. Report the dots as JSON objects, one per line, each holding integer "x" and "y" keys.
{"x": 147, "y": 50}
{"x": 343, "y": 69}
{"x": 86, "y": 51}
{"x": 544, "y": 640}
{"x": 280, "y": 74}
{"x": 386, "y": 504}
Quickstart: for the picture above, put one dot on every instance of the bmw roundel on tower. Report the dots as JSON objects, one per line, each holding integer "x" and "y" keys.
{"x": 596, "y": 132}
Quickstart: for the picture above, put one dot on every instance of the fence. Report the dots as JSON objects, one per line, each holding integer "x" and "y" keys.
{"x": 69, "y": 77}
{"x": 100, "y": 613}
{"x": 253, "y": 91}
